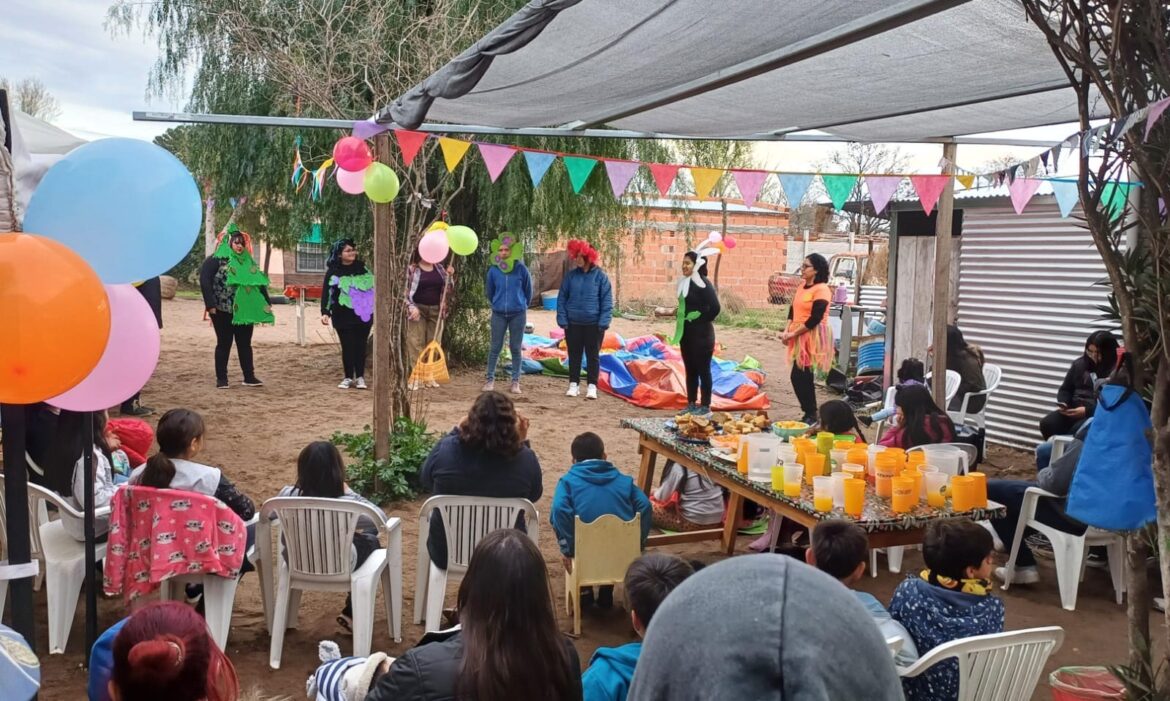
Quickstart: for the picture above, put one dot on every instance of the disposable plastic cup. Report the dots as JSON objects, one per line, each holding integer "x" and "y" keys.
{"x": 778, "y": 478}
{"x": 844, "y": 444}
{"x": 854, "y": 497}
{"x": 925, "y": 470}
{"x": 963, "y": 493}
{"x": 823, "y": 493}
{"x": 936, "y": 488}
{"x": 979, "y": 499}
{"x": 839, "y": 479}
{"x": 886, "y": 471}
{"x": 854, "y": 470}
{"x": 792, "y": 477}
{"x": 915, "y": 475}
{"x": 838, "y": 458}
{"x": 814, "y": 466}
{"x": 904, "y": 496}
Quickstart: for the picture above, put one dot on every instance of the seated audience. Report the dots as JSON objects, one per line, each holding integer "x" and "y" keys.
{"x": 686, "y": 500}
{"x": 1077, "y": 397}
{"x": 920, "y": 421}
{"x": 592, "y": 488}
{"x": 763, "y": 627}
{"x": 345, "y": 678}
{"x": 648, "y": 581}
{"x": 948, "y": 600}
{"x": 507, "y": 645}
{"x": 910, "y": 372}
{"x": 487, "y": 455}
{"x": 110, "y": 467}
{"x": 840, "y": 549}
{"x": 967, "y": 360}
{"x": 164, "y": 651}
{"x": 321, "y": 473}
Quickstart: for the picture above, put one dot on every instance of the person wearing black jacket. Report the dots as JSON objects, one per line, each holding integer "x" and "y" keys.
{"x": 507, "y": 646}
{"x": 700, "y": 304}
{"x": 347, "y": 300}
{"x": 1077, "y": 396}
{"x": 151, "y": 290}
{"x": 218, "y": 300}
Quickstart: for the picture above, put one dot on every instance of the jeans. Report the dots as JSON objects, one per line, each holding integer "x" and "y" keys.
{"x": 225, "y": 333}
{"x": 513, "y": 324}
{"x": 1050, "y": 512}
{"x": 353, "y": 349}
{"x": 587, "y": 338}
{"x": 1043, "y": 455}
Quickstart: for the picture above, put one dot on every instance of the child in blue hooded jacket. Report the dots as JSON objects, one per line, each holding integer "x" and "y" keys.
{"x": 951, "y": 599}
{"x": 648, "y": 581}
{"x": 592, "y": 488}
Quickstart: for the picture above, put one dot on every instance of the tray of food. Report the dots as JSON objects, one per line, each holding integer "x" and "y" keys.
{"x": 694, "y": 429}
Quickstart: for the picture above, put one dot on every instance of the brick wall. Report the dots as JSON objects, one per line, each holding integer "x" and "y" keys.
{"x": 761, "y": 250}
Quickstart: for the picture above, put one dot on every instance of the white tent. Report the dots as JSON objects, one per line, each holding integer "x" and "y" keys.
{"x": 36, "y": 145}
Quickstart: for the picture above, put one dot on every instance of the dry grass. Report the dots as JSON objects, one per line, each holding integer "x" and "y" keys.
{"x": 878, "y": 266}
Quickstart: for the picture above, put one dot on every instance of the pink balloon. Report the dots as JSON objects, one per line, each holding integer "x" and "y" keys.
{"x": 729, "y": 241}
{"x": 433, "y": 247}
{"x": 129, "y": 359}
{"x": 350, "y": 181}
{"x": 352, "y": 154}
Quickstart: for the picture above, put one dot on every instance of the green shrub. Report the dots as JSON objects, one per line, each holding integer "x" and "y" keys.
{"x": 410, "y": 443}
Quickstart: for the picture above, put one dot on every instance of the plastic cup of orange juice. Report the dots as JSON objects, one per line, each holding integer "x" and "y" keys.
{"x": 778, "y": 478}
{"x": 793, "y": 474}
{"x": 854, "y": 497}
{"x": 936, "y": 488}
{"x": 962, "y": 493}
{"x": 823, "y": 493}
{"x": 904, "y": 495}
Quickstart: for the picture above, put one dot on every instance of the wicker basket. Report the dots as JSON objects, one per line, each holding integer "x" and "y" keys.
{"x": 168, "y": 285}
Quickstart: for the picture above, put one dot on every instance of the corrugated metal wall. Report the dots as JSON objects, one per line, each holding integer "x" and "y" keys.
{"x": 1027, "y": 296}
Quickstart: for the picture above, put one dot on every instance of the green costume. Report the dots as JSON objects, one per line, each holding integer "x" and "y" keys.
{"x": 244, "y": 276}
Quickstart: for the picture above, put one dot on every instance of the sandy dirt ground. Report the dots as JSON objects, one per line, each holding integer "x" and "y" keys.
{"x": 255, "y": 435}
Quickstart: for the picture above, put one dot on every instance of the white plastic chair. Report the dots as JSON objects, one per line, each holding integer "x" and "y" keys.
{"x": 64, "y": 561}
{"x": 465, "y": 521}
{"x": 602, "y": 552}
{"x": 316, "y": 536}
{"x": 999, "y": 667}
{"x": 992, "y": 374}
{"x": 895, "y": 644}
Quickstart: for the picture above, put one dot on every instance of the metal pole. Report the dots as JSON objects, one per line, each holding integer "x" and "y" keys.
{"x": 942, "y": 277}
{"x": 90, "y": 535}
{"x": 14, "y": 418}
{"x": 384, "y": 289}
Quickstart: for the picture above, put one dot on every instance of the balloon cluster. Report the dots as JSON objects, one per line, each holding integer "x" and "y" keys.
{"x": 357, "y": 172}
{"x": 719, "y": 242}
{"x": 441, "y": 239}
{"x": 77, "y": 333}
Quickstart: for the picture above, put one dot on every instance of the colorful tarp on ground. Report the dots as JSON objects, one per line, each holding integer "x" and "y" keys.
{"x": 647, "y": 372}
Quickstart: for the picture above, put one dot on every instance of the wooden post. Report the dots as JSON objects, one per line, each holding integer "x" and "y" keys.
{"x": 942, "y": 277}
{"x": 384, "y": 289}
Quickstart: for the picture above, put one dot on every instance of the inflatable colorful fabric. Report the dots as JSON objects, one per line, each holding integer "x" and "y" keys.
{"x": 649, "y": 373}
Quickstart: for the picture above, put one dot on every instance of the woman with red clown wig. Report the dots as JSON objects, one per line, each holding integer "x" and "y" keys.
{"x": 584, "y": 311}
{"x": 235, "y": 295}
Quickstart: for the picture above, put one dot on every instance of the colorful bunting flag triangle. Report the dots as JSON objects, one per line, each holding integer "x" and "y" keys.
{"x": 1155, "y": 114}
{"x": 453, "y": 151}
{"x": 929, "y": 187}
{"x": 579, "y": 169}
{"x": 1067, "y": 196}
{"x": 881, "y": 189}
{"x": 1021, "y": 192}
{"x": 794, "y": 186}
{"x": 495, "y": 157}
{"x": 839, "y": 186}
{"x": 705, "y": 179}
{"x": 664, "y": 174}
{"x": 409, "y": 142}
{"x": 749, "y": 183}
{"x": 966, "y": 181}
{"x": 1114, "y": 197}
{"x": 620, "y": 174}
{"x": 538, "y": 164}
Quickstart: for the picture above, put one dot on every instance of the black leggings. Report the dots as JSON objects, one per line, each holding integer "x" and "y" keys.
{"x": 353, "y": 349}
{"x": 584, "y": 338}
{"x": 225, "y": 333}
{"x": 696, "y": 357}
{"x": 804, "y": 389}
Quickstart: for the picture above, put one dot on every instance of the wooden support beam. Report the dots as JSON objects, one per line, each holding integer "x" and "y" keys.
{"x": 384, "y": 287}
{"x": 942, "y": 277}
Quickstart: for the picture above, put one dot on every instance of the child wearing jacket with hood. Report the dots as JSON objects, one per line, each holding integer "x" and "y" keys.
{"x": 951, "y": 599}
{"x": 648, "y": 581}
{"x": 592, "y": 488}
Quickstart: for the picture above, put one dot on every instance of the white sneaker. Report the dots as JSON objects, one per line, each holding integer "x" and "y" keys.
{"x": 572, "y": 390}
{"x": 489, "y": 386}
{"x": 413, "y": 386}
{"x": 591, "y": 392}
{"x": 1023, "y": 575}
{"x": 360, "y": 383}
{"x": 995, "y": 541}
{"x": 516, "y": 387}
{"x": 345, "y": 384}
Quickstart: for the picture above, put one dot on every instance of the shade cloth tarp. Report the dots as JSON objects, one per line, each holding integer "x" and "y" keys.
{"x": 869, "y": 71}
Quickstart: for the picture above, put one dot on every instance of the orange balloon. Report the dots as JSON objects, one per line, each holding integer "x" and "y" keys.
{"x": 54, "y": 318}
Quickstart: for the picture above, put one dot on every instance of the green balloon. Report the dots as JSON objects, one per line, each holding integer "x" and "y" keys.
{"x": 381, "y": 183}
{"x": 462, "y": 240}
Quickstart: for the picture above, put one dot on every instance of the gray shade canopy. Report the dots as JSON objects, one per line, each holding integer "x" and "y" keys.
{"x": 867, "y": 71}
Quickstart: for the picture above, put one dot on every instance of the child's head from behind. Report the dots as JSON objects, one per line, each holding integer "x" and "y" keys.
{"x": 165, "y": 651}
{"x": 836, "y": 416}
{"x": 648, "y": 581}
{"x": 179, "y": 435}
{"x": 839, "y": 548}
{"x": 958, "y": 549}
{"x": 588, "y": 446}
{"x": 321, "y": 471}
{"x": 912, "y": 369}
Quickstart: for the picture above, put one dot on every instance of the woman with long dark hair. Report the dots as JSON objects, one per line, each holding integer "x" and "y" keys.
{"x": 486, "y": 455}
{"x": 508, "y": 646}
{"x": 699, "y": 305}
{"x": 808, "y": 336}
{"x": 920, "y": 421}
{"x": 967, "y": 360}
{"x": 1077, "y": 397}
{"x": 347, "y": 299}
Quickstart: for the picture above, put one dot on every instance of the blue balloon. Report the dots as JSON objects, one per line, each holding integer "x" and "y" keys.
{"x": 128, "y": 207}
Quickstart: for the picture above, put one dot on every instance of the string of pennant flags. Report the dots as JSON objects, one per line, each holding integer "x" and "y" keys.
{"x": 1023, "y": 179}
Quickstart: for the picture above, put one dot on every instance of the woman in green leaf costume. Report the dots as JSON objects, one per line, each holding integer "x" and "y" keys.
{"x": 347, "y": 299}
{"x": 235, "y": 294}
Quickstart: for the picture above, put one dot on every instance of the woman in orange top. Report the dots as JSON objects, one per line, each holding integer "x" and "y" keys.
{"x": 808, "y": 337}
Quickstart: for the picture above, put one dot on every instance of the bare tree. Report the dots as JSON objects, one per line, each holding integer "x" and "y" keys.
{"x": 33, "y": 98}
{"x": 876, "y": 159}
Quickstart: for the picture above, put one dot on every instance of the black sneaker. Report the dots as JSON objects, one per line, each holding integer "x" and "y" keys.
{"x": 222, "y": 384}
{"x": 252, "y": 382}
{"x": 136, "y": 409}
{"x": 587, "y": 600}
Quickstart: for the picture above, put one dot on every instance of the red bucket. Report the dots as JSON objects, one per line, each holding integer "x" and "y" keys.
{"x": 1085, "y": 684}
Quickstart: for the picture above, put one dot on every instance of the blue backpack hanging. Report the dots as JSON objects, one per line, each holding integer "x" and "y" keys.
{"x": 1113, "y": 486}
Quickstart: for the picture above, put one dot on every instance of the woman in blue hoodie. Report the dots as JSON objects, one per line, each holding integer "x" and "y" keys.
{"x": 509, "y": 289}
{"x": 584, "y": 311}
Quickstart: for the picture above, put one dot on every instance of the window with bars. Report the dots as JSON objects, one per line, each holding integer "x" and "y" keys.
{"x": 311, "y": 257}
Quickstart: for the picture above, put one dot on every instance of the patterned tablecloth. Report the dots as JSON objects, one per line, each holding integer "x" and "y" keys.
{"x": 876, "y": 515}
